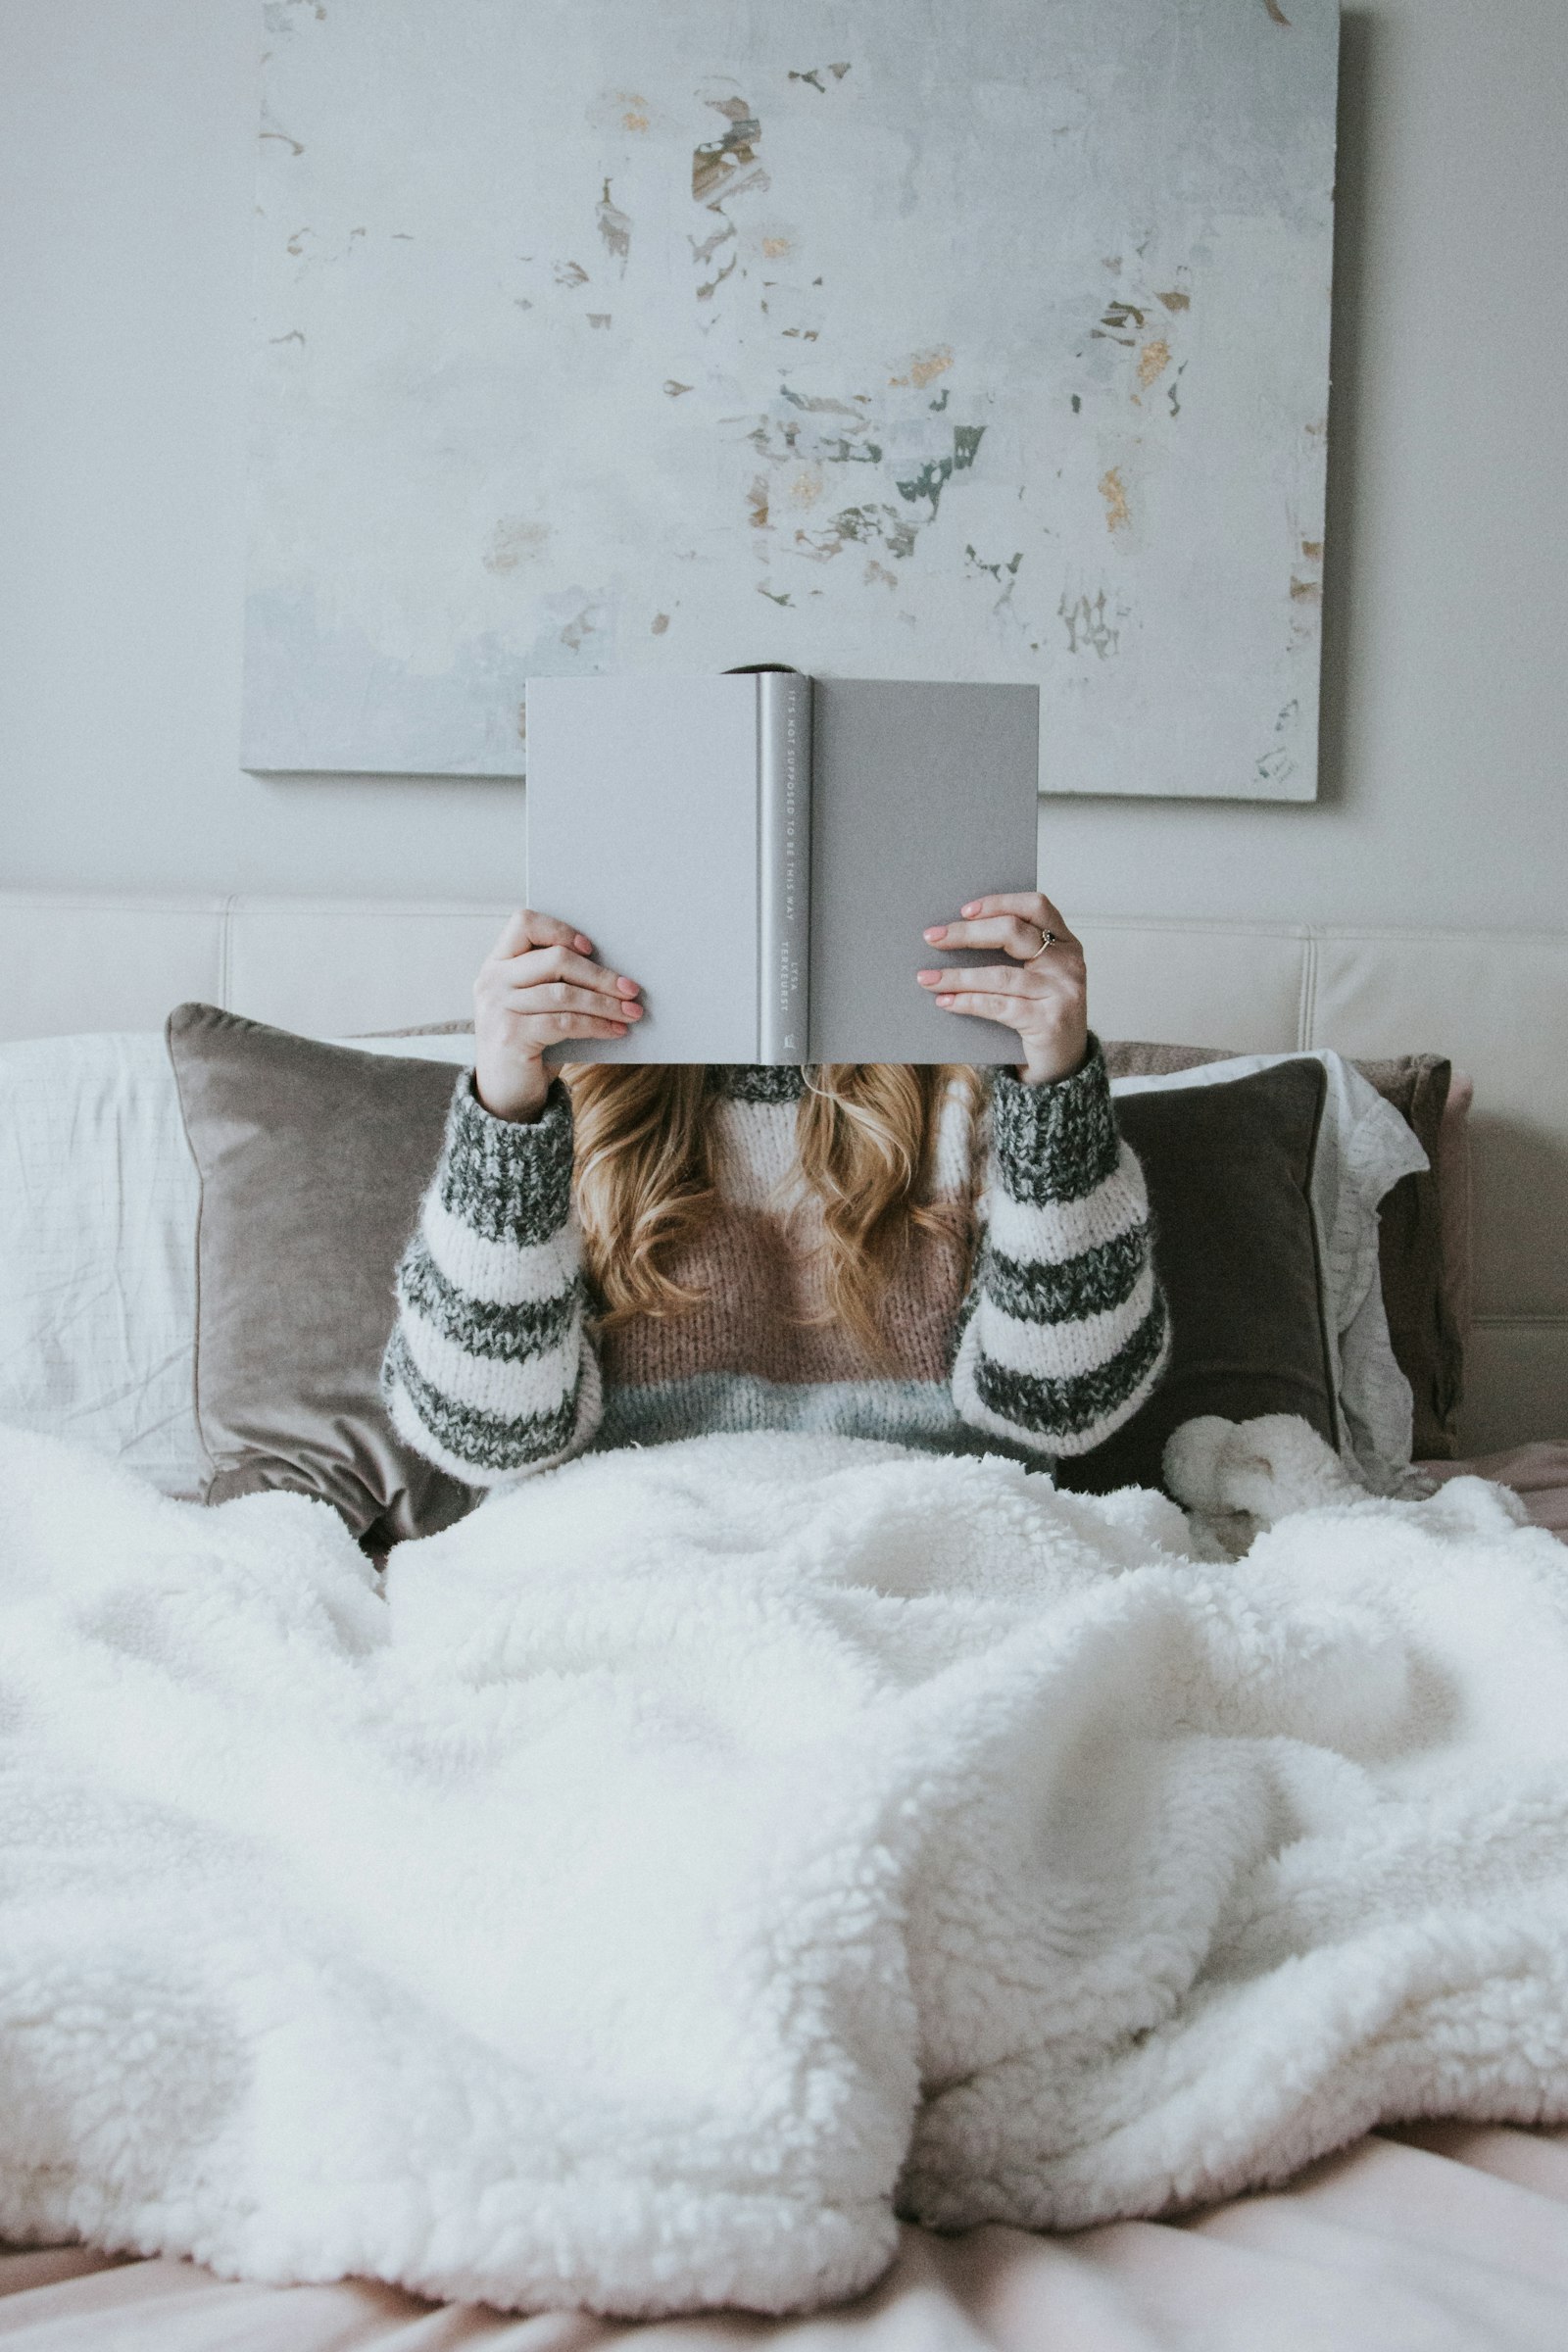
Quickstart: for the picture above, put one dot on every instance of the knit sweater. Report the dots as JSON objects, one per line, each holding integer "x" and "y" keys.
{"x": 1042, "y": 1348}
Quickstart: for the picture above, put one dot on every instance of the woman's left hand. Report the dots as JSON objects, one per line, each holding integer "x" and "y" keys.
{"x": 1043, "y": 996}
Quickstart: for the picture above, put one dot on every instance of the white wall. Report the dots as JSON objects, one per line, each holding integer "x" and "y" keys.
{"x": 125, "y": 157}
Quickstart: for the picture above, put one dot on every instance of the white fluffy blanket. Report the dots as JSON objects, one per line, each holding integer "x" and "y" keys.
{"x": 699, "y": 1853}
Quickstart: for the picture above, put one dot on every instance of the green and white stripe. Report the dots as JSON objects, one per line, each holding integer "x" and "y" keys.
{"x": 1065, "y": 1331}
{"x": 490, "y": 1371}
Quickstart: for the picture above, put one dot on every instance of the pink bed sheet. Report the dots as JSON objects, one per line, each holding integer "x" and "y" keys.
{"x": 1428, "y": 2240}
{"x": 1430, "y": 2237}
{"x": 1538, "y": 1473}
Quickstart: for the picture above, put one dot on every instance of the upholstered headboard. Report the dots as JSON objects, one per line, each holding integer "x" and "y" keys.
{"x": 1495, "y": 1002}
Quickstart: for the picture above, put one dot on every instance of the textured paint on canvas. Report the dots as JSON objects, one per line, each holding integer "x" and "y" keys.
{"x": 893, "y": 341}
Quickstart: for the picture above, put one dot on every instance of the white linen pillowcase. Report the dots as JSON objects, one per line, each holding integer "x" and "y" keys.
{"x": 99, "y": 1198}
{"x": 98, "y": 1203}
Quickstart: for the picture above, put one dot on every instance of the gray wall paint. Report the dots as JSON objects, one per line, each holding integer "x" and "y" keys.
{"x": 126, "y": 188}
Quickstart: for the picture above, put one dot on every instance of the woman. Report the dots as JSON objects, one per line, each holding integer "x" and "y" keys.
{"x": 628, "y": 1254}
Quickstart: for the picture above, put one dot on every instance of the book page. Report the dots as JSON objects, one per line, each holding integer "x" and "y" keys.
{"x": 925, "y": 795}
{"x": 642, "y": 813}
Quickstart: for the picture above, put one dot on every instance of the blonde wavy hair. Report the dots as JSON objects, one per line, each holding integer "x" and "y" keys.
{"x": 866, "y": 1140}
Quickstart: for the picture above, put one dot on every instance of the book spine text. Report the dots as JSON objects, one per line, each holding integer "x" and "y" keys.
{"x": 783, "y": 864}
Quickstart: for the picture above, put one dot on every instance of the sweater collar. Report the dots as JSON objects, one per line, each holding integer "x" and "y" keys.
{"x": 756, "y": 1082}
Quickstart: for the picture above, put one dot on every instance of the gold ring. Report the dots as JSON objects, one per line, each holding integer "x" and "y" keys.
{"x": 1047, "y": 939}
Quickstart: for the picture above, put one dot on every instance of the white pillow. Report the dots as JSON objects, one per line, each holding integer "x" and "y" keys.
{"x": 98, "y": 1200}
{"x": 1364, "y": 1146}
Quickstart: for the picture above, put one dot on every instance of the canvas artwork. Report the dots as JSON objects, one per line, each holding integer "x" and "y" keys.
{"x": 891, "y": 341}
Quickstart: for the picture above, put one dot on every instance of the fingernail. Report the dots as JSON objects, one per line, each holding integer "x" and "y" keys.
{"x": 937, "y": 931}
{"x": 973, "y": 907}
{"x": 634, "y": 1012}
{"x": 925, "y": 978}
{"x": 943, "y": 1001}
{"x": 619, "y": 1027}
{"x": 631, "y": 987}
{"x": 584, "y": 947}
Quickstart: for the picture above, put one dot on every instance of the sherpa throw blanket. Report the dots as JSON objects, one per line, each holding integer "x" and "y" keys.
{"x": 699, "y": 1854}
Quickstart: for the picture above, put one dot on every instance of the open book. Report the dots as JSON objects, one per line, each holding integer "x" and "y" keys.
{"x": 763, "y": 851}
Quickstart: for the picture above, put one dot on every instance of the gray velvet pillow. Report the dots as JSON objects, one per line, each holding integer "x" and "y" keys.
{"x": 313, "y": 1159}
{"x": 1229, "y": 1170}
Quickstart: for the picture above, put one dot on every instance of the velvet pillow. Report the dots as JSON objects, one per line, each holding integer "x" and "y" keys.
{"x": 313, "y": 1159}
{"x": 1229, "y": 1171}
{"x": 1419, "y": 1288}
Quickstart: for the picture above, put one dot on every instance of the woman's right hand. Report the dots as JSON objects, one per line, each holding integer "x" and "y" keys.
{"x": 536, "y": 987}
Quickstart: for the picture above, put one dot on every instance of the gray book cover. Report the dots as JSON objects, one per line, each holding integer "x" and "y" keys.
{"x": 763, "y": 851}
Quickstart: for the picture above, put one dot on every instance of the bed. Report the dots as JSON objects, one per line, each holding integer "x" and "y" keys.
{"x": 1432, "y": 2234}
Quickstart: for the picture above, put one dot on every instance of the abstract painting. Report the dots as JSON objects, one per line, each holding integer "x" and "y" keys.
{"x": 891, "y": 341}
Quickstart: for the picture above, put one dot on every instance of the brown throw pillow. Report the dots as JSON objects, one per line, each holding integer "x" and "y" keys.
{"x": 1229, "y": 1170}
{"x": 313, "y": 1159}
{"x": 1418, "y": 1292}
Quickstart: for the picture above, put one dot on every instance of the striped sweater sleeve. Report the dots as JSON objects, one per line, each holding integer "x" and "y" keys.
{"x": 490, "y": 1371}
{"x": 1064, "y": 1330}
